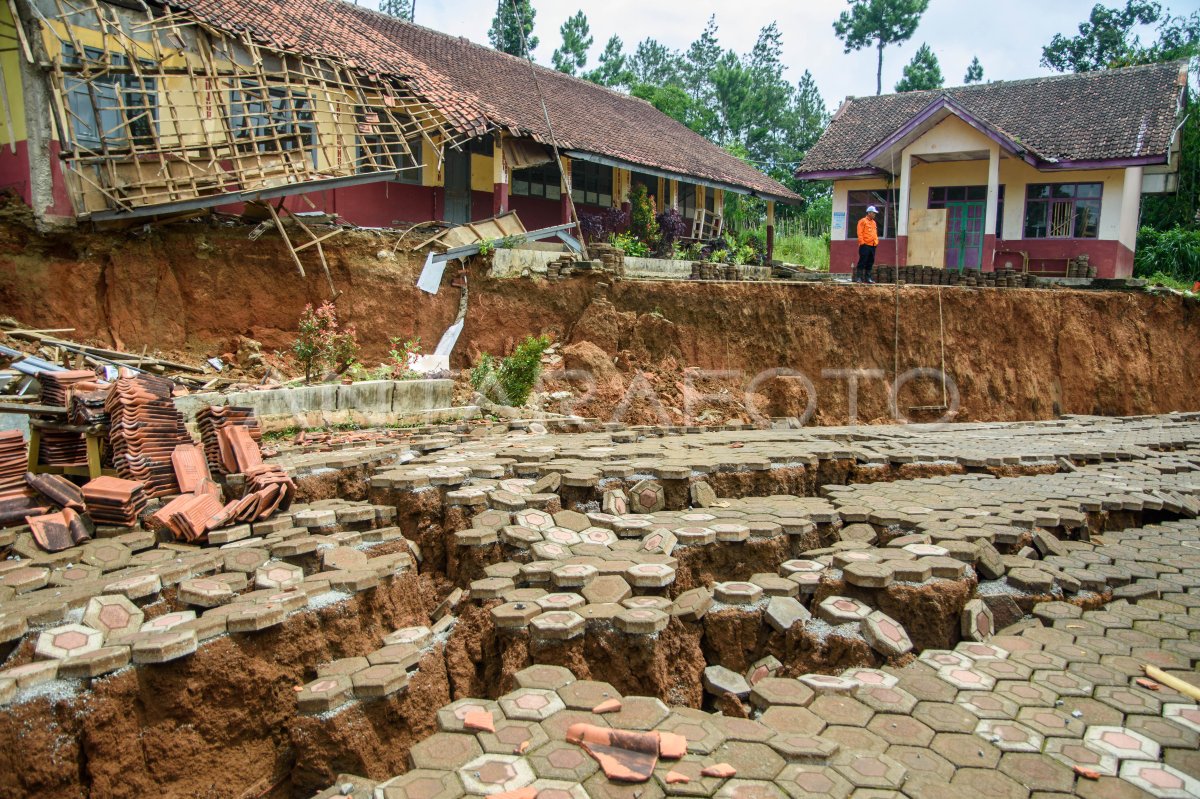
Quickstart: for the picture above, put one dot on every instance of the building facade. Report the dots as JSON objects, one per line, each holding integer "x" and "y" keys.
{"x": 1023, "y": 174}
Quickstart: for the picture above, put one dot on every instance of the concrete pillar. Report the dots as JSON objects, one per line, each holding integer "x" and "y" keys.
{"x": 903, "y": 201}
{"x": 770, "y": 231}
{"x": 564, "y": 201}
{"x": 675, "y": 194}
{"x": 499, "y": 178}
{"x": 991, "y": 211}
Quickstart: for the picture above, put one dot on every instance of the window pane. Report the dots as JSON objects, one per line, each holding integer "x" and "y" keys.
{"x": 1038, "y": 191}
{"x": 1064, "y": 190}
{"x": 1035, "y": 220}
{"x": 1087, "y": 219}
{"x": 520, "y": 187}
{"x": 1089, "y": 190}
{"x": 553, "y": 191}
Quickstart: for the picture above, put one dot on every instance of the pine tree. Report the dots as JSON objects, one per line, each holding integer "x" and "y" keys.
{"x": 400, "y": 9}
{"x": 513, "y": 17}
{"x": 923, "y": 72}
{"x": 655, "y": 64}
{"x": 879, "y": 23}
{"x": 613, "y": 70}
{"x": 576, "y": 41}
{"x": 974, "y": 72}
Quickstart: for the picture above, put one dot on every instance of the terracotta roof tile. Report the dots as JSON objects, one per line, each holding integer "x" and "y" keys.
{"x": 1110, "y": 114}
{"x": 478, "y": 88}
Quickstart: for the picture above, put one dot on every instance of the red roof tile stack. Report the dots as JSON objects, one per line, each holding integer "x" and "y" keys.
{"x": 111, "y": 500}
{"x": 16, "y": 497}
{"x": 145, "y": 429}
{"x": 213, "y": 419}
{"x": 57, "y": 386}
{"x": 63, "y": 448}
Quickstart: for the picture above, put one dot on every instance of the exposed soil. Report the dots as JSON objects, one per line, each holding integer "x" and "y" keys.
{"x": 193, "y": 289}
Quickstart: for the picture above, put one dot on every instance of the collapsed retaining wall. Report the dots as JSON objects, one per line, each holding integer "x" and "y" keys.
{"x": 1012, "y": 353}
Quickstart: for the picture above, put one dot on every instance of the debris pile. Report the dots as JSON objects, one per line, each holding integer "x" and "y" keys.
{"x": 145, "y": 429}
{"x": 213, "y": 420}
{"x": 111, "y": 500}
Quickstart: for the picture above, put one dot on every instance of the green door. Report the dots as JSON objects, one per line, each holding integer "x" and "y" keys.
{"x": 964, "y": 234}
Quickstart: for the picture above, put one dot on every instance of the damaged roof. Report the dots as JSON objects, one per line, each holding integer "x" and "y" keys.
{"x": 1126, "y": 114}
{"x": 479, "y": 88}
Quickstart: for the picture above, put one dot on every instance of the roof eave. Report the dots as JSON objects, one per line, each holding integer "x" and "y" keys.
{"x": 840, "y": 174}
{"x": 621, "y": 163}
{"x": 1102, "y": 163}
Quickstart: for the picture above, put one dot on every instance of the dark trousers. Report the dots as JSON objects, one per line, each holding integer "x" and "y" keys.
{"x": 866, "y": 260}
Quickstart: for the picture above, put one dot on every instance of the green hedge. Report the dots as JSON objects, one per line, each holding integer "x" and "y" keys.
{"x": 1174, "y": 253}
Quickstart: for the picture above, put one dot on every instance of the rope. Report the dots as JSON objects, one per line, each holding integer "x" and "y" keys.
{"x": 565, "y": 178}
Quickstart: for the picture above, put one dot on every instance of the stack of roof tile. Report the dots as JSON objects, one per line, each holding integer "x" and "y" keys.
{"x": 213, "y": 419}
{"x": 145, "y": 428}
{"x": 87, "y": 407}
{"x": 190, "y": 517}
{"x": 63, "y": 448}
{"x": 57, "y": 489}
{"x": 57, "y": 386}
{"x": 111, "y": 500}
{"x": 16, "y": 498}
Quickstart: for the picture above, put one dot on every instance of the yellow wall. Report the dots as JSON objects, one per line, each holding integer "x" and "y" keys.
{"x": 14, "y": 111}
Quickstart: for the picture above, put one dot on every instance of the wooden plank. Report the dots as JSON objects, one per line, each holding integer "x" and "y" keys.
{"x": 31, "y": 409}
{"x": 927, "y": 237}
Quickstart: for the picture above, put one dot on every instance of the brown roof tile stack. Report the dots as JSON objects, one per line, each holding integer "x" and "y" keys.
{"x": 87, "y": 407}
{"x": 16, "y": 497}
{"x": 57, "y": 386}
{"x": 145, "y": 429}
{"x": 57, "y": 489}
{"x": 63, "y": 448}
{"x": 190, "y": 517}
{"x": 213, "y": 419}
{"x": 111, "y": 500}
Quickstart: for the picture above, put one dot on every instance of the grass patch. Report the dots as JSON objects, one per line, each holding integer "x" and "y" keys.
{"x": 1170, "y": 281}
{"x": 808, "y": 251}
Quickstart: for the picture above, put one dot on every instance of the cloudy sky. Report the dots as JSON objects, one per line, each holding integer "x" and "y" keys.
{"x": 1007, "y": 36}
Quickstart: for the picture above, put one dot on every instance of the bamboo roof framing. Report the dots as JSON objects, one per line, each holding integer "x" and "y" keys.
{"x": 157, "y": 111}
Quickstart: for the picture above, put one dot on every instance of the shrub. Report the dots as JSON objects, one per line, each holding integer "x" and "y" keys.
{"x": 602, "y": 226}
{"x": 1173, "y": 253}
{"x": 641, "y": 216}
{"x": 510, "y": 380}
{"x": 672, "y": 227}
{"x": 320, "y": 345}
{"x": 402, "y": 354}
{"x": 630, "y": 245}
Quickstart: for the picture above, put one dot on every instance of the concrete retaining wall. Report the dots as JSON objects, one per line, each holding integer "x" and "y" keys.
{"x": 662, "y": 268}
{"x": 370, "y": 402}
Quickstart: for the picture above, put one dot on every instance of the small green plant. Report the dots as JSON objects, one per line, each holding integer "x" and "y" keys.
{"x": 630, "y": 245}
{"x": 510, "y": 380}
{"x": 402, "y": 355}
{"x": 321, "y": 345}
{"x": 720, "y": 256}
{"x": 694, "y": 251}
{"x": 508, "y": 242}
{"x": 1173, "y": 253}
{"x": 642, "y": 224}
{"x": 487, "y": 247}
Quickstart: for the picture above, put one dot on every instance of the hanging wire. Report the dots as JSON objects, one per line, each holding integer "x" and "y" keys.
{"x": 565, "y": 178}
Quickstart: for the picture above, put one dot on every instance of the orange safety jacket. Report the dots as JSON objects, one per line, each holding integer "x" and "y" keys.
{"x": 867, "y": 232}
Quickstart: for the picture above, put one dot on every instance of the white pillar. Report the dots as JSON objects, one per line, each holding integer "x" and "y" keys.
{"x": 993, "y": 192}
{"x": 903, "y": 200}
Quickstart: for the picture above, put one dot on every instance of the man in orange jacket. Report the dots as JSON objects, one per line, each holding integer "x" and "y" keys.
{"x": 868, "y": 240}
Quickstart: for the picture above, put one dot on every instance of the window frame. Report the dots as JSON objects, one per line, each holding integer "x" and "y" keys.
{"x": 885, "y": 199}
{"x": 376, "y": 149}
{"x": 543, "y": 182}
{"x": 111, "y": 92}
{"x": 932, "y": 204}
{"x": 591, "y": 183}
{"x": 1063, "y": 194}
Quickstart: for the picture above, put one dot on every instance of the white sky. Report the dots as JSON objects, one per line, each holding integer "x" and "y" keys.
{"x": 1007, "y": 36}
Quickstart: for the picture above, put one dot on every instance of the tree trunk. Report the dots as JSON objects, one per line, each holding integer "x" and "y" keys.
{"x": 879, "y": 70}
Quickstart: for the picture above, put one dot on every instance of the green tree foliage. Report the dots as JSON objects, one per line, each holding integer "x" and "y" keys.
{"x": 513, "y": 17}
{"x": 654, "y": 63}
{"x": 400, "y": 9}
{"x": 576, "y": 41}
{"x": 613, "y": 70}
{"x": 974, "y": 72}
{"x": 510, "y": 380}
{"x": 1107, "y": 39}
{"x": 923, "y": 72}
{"x": 878, "y": 23}
{"x": 1173, "y": 253}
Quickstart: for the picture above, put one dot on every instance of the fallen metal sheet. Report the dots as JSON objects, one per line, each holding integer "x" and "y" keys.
{"x": 29, "y": 365}
{"x": 435, "y": 263}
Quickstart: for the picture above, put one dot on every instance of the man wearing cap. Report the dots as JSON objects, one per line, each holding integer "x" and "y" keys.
{"x": 868, "y": 240}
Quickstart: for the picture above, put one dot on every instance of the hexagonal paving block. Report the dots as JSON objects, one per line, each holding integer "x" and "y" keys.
{"x": 977, "y": 650}
{"x": 719, "y": 681}
{"x": 702, "y": 736}
{"x": 967, "y": 679}
{"x": 638, "y": 713}
{"x": 793, "y": 720}
{"x": 544, "y": 676}
{"x": 650, "y": 575}
{"x": 380, "y": 680}
{"x": 965, "y": 750}
{"x": 886, "y": 698}
{"x": 641, "y": 620}
{"x": 444, "y": 751}
{"x": 829, "y": 684}
{"x": 534, "y": 519}
{"x": 1076, "y": 753}
{"x": 557, "y": 625}
{"x": 69, "y": 640}
{"x": 513, "y": 737}
{"x": 737, "y": 593}
{"x": 560, "y": 760}
{"x": 802, "y": 748}
{"x": 940, "y": 658}
{"x": 987, "y": 705}
{"x": 772, "y": 691}
{"x": 753, "y": 761}
{"x": 869, "y": 770}
{"x": 1051, "y": 722}
{"x": 492, "y": 773}
{"x": 1183, "y": 714}
{"x": 1010, "y": 736}
{"x": 324, "y": 694}
{"x": 1121, "y": 742}
{"x": 842, "y": 610}
{"x": 277, "y": 574}
{"x": 586, "y": 694}
{"x": 205, "y": 592}
{"x": 1161, "y": 780}
{"x": 977, "y": 622}
{"x": 531, "y": 704}
{"x": 647, "y": 496}
{"x": 452, "y": 717}
{"x": 112, "y": 614}
{"x": 885, "y": 635}
{"x": 813, "y": 782}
